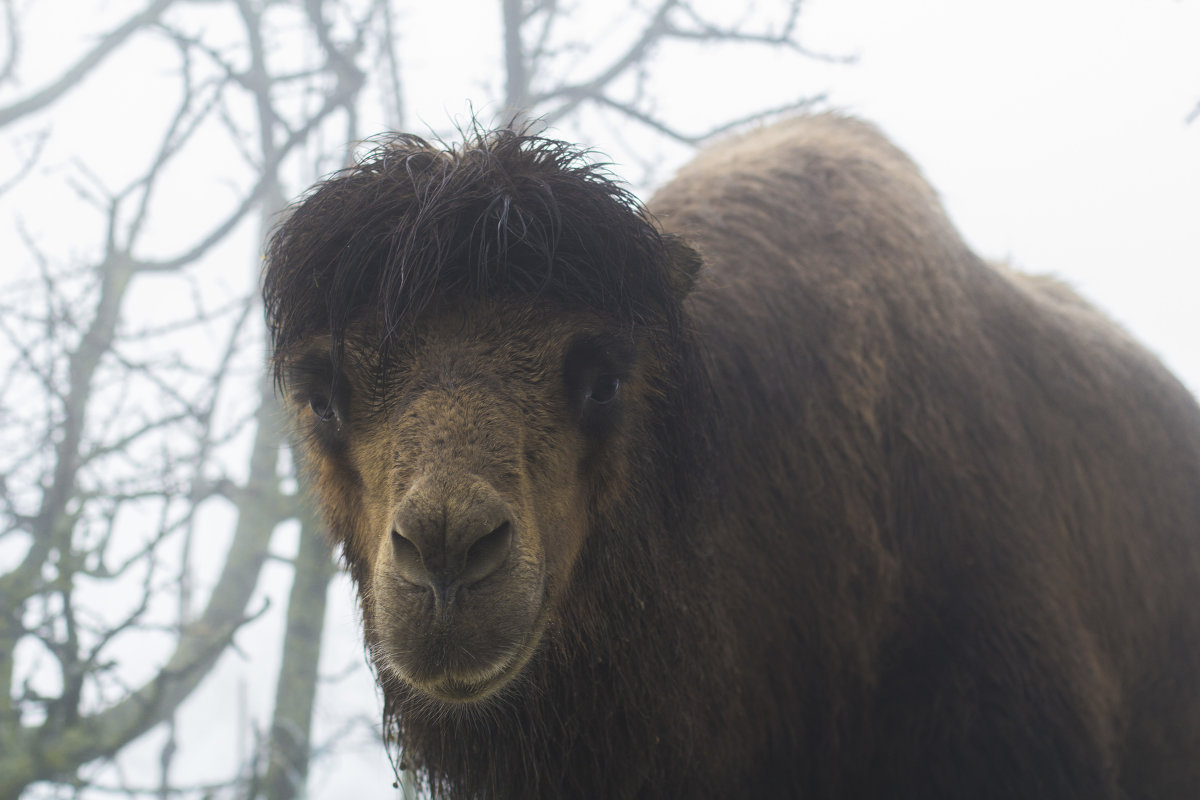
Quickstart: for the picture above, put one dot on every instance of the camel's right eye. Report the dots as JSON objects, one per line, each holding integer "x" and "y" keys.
{"x": 313, "y": 380}
{"x": 328, "y": 404}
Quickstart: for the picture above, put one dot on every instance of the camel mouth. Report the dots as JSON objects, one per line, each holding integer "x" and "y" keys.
{"x": 465, "y": 688}
{"x": 458, "y": 691}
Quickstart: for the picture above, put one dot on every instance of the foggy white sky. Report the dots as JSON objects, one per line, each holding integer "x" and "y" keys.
{"x": 1055, "y": 133}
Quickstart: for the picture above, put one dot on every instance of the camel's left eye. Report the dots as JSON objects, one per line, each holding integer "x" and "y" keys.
{"x": 604, "y": 389}
{"x": 593, "y": 371}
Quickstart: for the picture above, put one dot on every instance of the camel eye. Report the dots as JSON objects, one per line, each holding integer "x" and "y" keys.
{"x": 329, "y": 408}
{"x": 322, "y": 406}
{"x": 593, "y": 371}
{"x": 604, "y": 389}
{"x": 312, "y": 380}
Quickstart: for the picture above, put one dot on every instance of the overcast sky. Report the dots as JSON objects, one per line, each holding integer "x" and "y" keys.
{"x": 1055, "y": 133}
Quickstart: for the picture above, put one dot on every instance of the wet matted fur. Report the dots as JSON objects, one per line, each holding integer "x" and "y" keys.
{"x": 781, "y": 492}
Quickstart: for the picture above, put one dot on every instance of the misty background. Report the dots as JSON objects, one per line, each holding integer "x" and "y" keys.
{"x": 172, "y": 624}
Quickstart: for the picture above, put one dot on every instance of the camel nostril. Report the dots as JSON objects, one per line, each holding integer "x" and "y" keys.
{"x": 487, "y": 554}
{"x": 408, "y": 558}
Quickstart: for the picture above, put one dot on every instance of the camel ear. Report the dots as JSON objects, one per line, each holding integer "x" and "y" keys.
{"x": 683, "y": 264}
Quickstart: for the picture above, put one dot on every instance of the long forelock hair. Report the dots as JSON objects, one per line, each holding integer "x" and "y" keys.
{"x": 504, "y": 213}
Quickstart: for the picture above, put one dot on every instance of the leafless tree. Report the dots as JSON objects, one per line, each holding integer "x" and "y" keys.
{"x": 137, "y": 426}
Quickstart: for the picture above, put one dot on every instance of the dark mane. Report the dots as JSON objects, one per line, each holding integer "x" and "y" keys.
{"x": 503, "y": 213}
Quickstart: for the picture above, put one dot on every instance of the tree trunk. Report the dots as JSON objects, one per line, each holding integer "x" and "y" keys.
{"x": 296, "y": 690}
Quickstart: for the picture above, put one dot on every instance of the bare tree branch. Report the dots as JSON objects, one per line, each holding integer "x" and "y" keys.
{"x": 395, "y": 92}
{"x": 28, "y": 161}
{"x": 699, "y": 138}
{"x": 516, "y": 87}
{"x": 66, "y": 739}
{"x": 84, "y": 66}
{"x": 13, "y": 54}
{"x": 295, "y": 691}
{"x": 703, "y": 30}
{"x": 549, "y": 10}
{"x": 577, "y": 93}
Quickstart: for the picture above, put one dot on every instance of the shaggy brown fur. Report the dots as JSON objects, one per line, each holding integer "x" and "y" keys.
{"x": 832, "y": 509}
